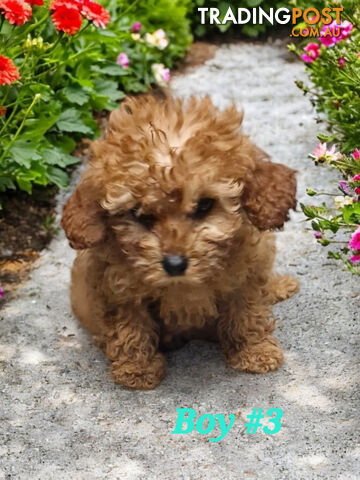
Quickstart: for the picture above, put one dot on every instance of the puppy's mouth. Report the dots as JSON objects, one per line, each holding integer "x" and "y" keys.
{"x": 181, "y": 275}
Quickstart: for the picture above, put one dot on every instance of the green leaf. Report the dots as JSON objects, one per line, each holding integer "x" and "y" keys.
{"x": 351, "y": 213}
{"x": 116, "y": 70}
{"x": 55, "y": 156}
{"x": 75, "y": 94}
{"x": 6, "y": 183}
{"x": 108, "y": 88}
{"x": 24, "y": 184}
{"x": 315, "y": 226}
{"x": 326, "y": 138}
{"x": 36, "y": 127}
{"x": 23, "y": 151}
{"x": 58, "y": 177}
{"x": 63, "y": 142}
{"x": 308, "y": 211}
{"x": 334, "y": 255}
{"x": 70, "y": 121}
{"x": 46, "y": 92}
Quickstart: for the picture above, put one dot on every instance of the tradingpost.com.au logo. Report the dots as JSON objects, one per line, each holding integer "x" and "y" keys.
{"x": 282, "y": 16}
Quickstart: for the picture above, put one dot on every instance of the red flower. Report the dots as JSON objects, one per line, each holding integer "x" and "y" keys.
{"x": 35, "y": 2}
{"x": 8, "y": 72}
{"x": 15, "y": 11}
{"x": 67, "y": 20}
{"x": 56, "y": 4}
{"x": 2, "y": 111}
{"x": 96, "y": 13}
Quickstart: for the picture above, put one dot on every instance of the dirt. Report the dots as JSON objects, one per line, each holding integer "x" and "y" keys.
{"x": 26, "y": 227}
{"x": 27, "y": 224}
{"x": 197, "y": 55}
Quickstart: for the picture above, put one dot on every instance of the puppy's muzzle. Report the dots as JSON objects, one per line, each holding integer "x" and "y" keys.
{"x": 175, "y": 264}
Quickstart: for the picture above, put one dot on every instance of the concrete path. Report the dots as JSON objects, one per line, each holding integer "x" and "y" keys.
{"x": 63, "y": 418}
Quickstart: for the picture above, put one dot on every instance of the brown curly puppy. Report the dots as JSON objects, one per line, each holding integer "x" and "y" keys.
{"x": 171, "y": 220}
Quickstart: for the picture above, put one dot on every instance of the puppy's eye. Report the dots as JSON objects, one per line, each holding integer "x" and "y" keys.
{"x": 203, "y": 207}
{"x": 147, "y": 220}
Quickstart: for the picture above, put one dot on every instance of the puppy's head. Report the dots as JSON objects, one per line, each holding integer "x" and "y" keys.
{"x": 173, "y": 186}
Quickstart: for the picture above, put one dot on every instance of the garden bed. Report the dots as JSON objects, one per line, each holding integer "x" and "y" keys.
{"x": 27, "y": 222}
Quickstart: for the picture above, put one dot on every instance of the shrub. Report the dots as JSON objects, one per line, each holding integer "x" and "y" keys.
{"x": 333, "y": 65}
{"x": 60, "y": 64}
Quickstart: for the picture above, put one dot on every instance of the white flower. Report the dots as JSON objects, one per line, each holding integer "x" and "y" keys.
{"x": 135, "y": 36}
{"x": 157, "y": 39}
{"x": 161, "y": 74}
{"x": 341, "y": 201}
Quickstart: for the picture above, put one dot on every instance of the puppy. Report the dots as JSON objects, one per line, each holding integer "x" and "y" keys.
{"x": 172, "y": 222}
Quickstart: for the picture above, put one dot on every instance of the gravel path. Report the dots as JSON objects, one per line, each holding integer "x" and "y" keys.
{"x": 63, "y": 418}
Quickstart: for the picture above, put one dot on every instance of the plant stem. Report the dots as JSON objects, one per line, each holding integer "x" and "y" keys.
{"x": 35, "y": 25}
{"x": 11, "y": 116}
{"x": 58, "y": 40}
{"x": 7, "y": 149}
{"x": 129, "y": 8}
{"x": 5, "y": 97}
{"x": 60, "y": 64}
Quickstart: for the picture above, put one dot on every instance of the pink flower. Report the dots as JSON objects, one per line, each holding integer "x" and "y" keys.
{"x": 312, "y": 52}
{"x": 357, "y": 179}
{"x": 354, "y": 243}
{"x": 328, "y": 34}
{"x": 334, "y": 33}
{"x": 1, "y": 292}
{"x": 344, "y": 186}
{"x": 162, "y": 75}
{"x": 136, "y": 27}
{"x": 356, "y": 154}
{"x": 346, "y": 28}
{"x": 123, "y": 60}
{"x": 342, "y": 61}
{"x": 318, "y": 235}
{"x": 358, "y": 55}
{"x": 324, "y": 154}
{"x": 355, "y": 258}
{"x": 320, "y": 150}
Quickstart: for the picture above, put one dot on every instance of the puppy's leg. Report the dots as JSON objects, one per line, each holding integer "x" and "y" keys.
{"x": 244, "y": 330}
{"x": 282, "y": 287}
{"x": 131, "y": 344}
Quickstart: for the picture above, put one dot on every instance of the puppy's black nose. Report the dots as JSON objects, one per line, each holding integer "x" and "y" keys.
{"x": 175, "y": 264}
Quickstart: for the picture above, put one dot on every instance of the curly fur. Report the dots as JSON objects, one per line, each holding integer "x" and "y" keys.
{"x": 160, "y": 158}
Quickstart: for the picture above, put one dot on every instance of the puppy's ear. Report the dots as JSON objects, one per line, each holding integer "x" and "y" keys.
{"x": 81, "y": 218}
{"x": 269, "y": 193}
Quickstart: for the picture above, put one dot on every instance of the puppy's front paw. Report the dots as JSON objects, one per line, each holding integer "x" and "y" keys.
{"x": 284, "y": 287}
{"x": 257, "y": 358}
{"x": 133, "y": 375}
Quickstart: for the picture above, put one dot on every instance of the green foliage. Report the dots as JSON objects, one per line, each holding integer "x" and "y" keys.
{"x": 335, "y": 93}
{"x": 171, "y": 16}
{"x": 65, "y": 78}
